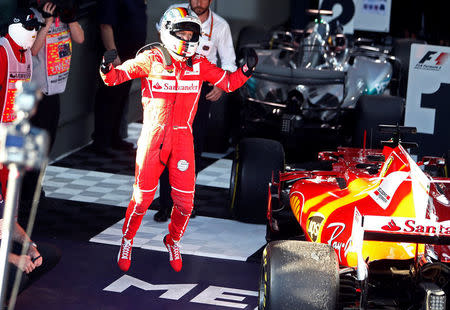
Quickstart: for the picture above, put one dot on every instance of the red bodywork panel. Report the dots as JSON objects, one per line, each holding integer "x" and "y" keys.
{"x": 385, "y": 183}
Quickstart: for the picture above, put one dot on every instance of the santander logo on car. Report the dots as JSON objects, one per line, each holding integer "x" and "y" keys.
{"x": 391, "y": 226}
{"x": 441, "y": 229}
{"x": 406, "y": 225}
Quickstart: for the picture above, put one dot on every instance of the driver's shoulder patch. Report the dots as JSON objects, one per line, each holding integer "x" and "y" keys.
{"x": 195, "y": 70}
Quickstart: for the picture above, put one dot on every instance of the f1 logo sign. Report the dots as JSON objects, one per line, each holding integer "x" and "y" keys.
{"x": 428, "y": 74}
{"x": 438, "y": 61}
{"x": 427, "y": 56}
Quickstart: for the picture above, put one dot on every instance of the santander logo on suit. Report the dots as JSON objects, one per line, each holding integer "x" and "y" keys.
{"x": 172, "y": 86}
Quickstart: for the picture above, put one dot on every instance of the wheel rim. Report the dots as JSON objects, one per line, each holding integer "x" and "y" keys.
{"x": 262, "y": 292}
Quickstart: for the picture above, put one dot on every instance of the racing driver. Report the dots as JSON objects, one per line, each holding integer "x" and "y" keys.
{"x": 171, "y": 77}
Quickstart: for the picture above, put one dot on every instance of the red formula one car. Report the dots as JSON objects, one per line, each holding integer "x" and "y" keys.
{"x": 372, "y": 232}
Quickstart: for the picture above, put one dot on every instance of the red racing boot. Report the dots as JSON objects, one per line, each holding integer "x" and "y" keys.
{"x": 124, "y": 257}
{"x": 174, "y": 253}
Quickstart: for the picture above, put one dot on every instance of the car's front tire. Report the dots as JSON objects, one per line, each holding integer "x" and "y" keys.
{"x": 255, "y": 161}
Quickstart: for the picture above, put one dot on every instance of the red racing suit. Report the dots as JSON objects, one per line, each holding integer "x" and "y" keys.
{"x": 169, "y": 98}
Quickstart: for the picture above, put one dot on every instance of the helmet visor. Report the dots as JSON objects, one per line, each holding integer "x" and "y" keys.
{"x": 187, "y": 26}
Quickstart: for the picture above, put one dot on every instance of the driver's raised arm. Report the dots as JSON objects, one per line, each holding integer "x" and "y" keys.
{"x": 138, "y": 67}
{"x": 226, "y": 80}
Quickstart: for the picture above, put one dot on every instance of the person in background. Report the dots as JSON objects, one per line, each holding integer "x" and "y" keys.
{"x": 171, "y": 77}
{"x": 52, "y": 53}
{"x": 215, "y": 44}
{"x": 123, "y": 27}
{"x": 15, "y": 65}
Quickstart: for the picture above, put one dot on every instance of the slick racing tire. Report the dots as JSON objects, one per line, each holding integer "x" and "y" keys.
{"x": 298, "y": 275}
{"x": 255, "y": 161}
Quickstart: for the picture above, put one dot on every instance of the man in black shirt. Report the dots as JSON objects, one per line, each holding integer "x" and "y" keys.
{"x": 123, "y": 27}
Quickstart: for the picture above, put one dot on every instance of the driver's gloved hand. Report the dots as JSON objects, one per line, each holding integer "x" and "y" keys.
{"x": 250, "y": 61}
{"x": 108, "y": 58}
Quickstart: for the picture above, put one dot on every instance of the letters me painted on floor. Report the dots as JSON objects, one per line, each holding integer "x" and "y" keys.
{"x": 209, "y": 296}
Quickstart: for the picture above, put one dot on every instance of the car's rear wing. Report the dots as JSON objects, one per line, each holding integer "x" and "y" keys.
{"x": 395, "y": 229}
{"x": 405, "y": 229}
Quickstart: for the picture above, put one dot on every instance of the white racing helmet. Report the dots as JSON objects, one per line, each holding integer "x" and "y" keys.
{"x": 178, "y": 19}
{"x": 23, "y": 27}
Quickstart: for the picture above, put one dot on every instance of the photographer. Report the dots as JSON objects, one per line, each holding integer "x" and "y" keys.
{"x": 34, "y": 264}
{"x": 51, "y": 72}
{"x": 52, "y": 52}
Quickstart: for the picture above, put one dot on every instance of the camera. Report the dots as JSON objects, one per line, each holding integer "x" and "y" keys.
{"x": 66, "y": 9}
